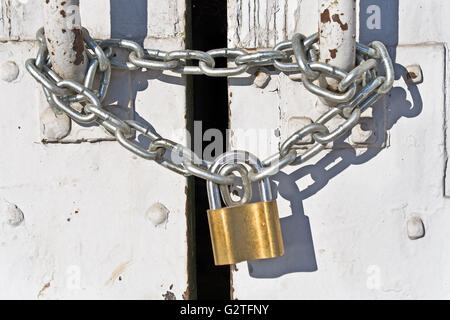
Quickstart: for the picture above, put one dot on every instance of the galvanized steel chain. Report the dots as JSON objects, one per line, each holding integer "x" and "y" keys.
{"x": 358, "y": 90}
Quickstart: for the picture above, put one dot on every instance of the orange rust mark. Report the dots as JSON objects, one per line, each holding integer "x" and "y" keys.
{"x": 333, "y": 53}
{"x": 325, "y": 16}
{"x": 337, "y": 19}
{"x": 412, "y": 75}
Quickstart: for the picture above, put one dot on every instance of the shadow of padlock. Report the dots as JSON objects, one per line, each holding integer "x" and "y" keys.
{"x": 249, "y": 231}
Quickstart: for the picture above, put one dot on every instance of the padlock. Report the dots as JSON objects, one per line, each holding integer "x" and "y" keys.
{"x": 249, "y": 231}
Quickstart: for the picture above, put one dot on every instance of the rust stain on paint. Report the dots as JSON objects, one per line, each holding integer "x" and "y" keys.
{"x": 325, "y": 16}
{"x": 337, "y": 19}
{"x": 333, "y": 53}
{"x": 78, "y": 46}
{"x": 412, "y": 75}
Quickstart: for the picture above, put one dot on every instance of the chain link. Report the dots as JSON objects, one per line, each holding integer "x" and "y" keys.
{"x": 358, "y": 90}
{"x": 224, "y": 72}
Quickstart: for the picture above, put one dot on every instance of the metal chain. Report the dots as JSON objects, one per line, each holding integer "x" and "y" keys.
{"x": 358, "y": 90}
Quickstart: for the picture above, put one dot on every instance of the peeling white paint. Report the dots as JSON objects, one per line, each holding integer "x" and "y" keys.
{"x": 19, "y": 20}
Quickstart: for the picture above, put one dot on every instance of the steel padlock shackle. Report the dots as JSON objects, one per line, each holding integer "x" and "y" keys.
{"x": 233, "y": 157}
{"x": 246, "y": 231}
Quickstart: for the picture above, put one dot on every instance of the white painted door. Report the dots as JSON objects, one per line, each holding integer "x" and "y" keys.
{"x": 365, "y": 219}
{"x": 74, "y": 217}
{"x": 349, "y": 214}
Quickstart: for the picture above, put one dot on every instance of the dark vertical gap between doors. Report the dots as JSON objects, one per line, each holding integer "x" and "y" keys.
{"x": 209, "y": 101}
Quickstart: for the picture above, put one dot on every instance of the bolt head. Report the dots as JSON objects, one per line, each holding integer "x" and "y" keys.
{"x": 416, "y": 228}
{"x": 262, "y": 78}
{"x": 54, "y": 127}
{"x": 364, "y": 133}
{"x": 414, "y": 74}
{"x": 13, "y": 216}
{"x": 157, "y": 214}
{"x": 9, "y": 71}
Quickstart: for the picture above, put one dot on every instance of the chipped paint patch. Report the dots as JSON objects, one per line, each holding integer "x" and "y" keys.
{"x": 169, "y": 296}
{"x": 78, "y": 46}
{"x": 333, "y": 53}
{"x": 337, "y": 32}
{"x": 325, "y": 16}
{"x": 337, "y": 19}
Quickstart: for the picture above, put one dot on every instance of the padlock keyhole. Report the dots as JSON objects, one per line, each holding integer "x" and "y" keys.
{"x": 237, "y": 189}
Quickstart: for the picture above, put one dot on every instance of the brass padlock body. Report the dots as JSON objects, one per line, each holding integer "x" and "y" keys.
{"x": 246, "y": 232}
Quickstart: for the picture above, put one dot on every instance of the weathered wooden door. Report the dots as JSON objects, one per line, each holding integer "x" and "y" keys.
{"x": 350, "y": 215}
{"x": 81, "y": 217}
